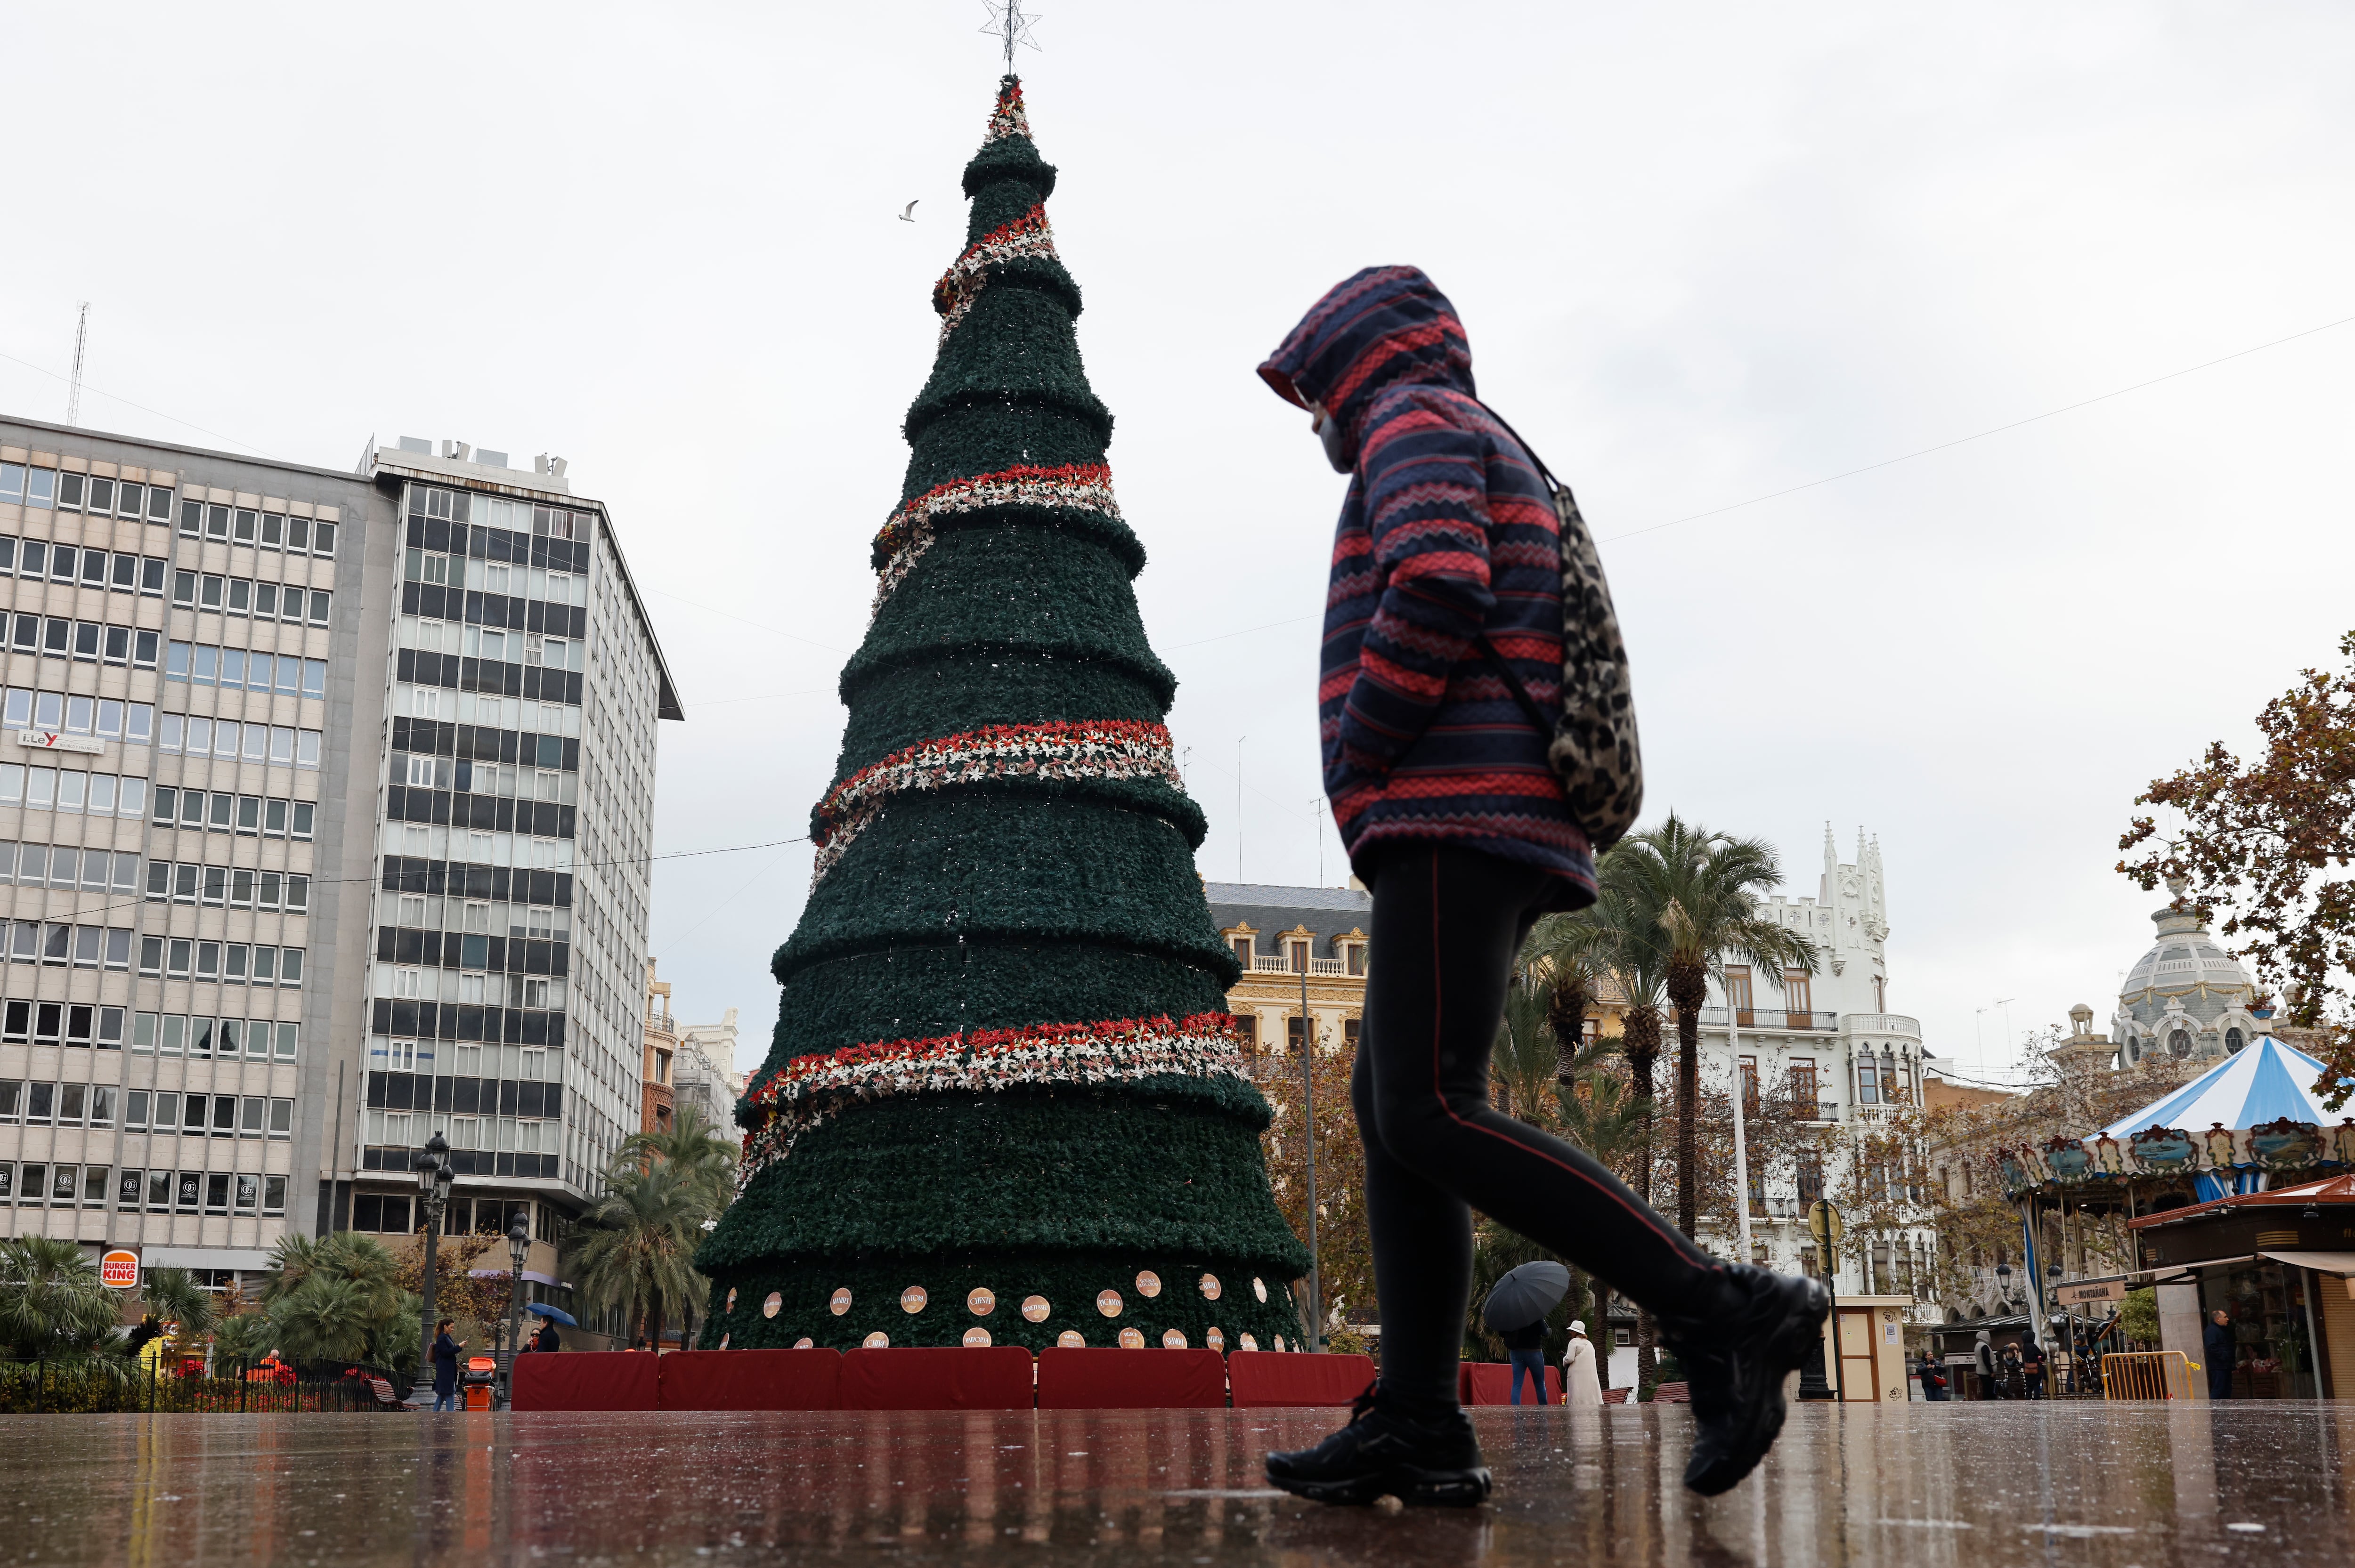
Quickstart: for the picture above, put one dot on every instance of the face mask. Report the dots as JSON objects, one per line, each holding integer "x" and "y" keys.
{"x": 1336, "y": 444}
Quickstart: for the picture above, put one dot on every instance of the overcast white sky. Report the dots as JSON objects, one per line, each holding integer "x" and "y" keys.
{"x": 1704, "y": 253}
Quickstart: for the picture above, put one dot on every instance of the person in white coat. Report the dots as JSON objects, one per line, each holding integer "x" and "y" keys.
{"x": 1580, "y": 1383}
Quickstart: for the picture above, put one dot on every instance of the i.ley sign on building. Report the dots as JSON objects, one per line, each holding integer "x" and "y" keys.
{"x": 56, "y": 740}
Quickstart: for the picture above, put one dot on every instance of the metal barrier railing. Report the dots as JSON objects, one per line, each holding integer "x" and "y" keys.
{"x": 2147, "y": 1374}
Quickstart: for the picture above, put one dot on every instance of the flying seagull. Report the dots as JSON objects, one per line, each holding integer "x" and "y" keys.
{"x": 907, "y": 214}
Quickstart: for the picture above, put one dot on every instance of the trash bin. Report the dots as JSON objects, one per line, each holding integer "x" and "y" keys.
{"x": 480, "y": 1381}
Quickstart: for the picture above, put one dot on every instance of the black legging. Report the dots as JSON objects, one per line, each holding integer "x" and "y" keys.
{"x": 1447, "y": 924}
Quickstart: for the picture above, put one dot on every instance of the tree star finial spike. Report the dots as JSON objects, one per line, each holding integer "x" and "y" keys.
{"x": 1011, "y": 24}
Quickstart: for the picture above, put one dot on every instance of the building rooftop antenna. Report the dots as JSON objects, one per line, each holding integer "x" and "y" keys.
{"x": 81, "y": 340}
{"x": 1010, "y": 22}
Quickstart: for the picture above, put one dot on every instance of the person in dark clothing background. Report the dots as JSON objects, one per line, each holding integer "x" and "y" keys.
{"x": 546, "y": 1339}
{"x": 1525, "y": 1349}
{"x": 2221, "y": 1349}
{"x": 1445, "y": 795}
{"x": 445, "y": 1366}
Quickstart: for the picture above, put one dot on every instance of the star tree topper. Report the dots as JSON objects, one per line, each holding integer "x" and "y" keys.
{"x": 1009, "y": 22}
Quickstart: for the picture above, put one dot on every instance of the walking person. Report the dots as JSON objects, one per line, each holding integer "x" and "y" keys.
{"x": 2031, "y": 1365}
{"x": 1444, "y": 612}
{"x": 1933, "y": 1380}
{"x": 2222, "y": 1349}
{"x": 1983, "y": 1360}
{"x": 1581, "y": 1383}
{"x": 546, "y": 1339}
{"x": 445, "y": 1366}
{"x": 1525, "y": 1349}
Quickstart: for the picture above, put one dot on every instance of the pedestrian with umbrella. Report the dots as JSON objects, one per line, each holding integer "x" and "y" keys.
{"x": 1516, "y": 1310}
{"x": 550, "y": 1316}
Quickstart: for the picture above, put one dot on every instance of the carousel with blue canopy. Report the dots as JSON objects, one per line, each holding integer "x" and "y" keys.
{"x": 2250, "y": 1121}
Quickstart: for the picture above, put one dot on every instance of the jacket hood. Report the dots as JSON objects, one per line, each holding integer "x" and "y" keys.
{"x": 1378, "y": 329}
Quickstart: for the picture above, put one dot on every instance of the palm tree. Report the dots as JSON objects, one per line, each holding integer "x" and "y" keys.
{"x": 1526, "y": 1057}
{"x": 641, "y": 1239}
{"x": 1701, "y": 889}
{"x": 172, "y": 1296}
{"x": 326, "y": 1316}
{"x": 1573, "y": 954}
{"x": 703, "y": 1159}
{"x": 50, "y": 1299}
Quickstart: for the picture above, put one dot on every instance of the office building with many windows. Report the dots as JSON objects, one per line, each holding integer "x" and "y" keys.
{"x": 324, "y": 814}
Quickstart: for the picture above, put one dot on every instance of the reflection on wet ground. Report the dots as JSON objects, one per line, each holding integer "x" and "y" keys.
{"x": 1963, "y": 1484}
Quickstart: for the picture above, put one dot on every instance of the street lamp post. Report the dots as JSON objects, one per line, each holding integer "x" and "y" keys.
{"x": 1309, "y": 1154}
{"x": 434, "y": 1179}
{"x": 519, "y": 1245}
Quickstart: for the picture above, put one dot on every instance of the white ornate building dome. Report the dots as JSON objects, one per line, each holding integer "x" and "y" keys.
{"x": 2187, "y": 999}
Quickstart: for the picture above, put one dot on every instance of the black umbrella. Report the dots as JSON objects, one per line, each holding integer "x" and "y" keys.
{"x": 1525, "y": 1295}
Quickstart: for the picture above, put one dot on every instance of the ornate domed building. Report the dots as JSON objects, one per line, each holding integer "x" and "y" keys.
{"x": 2187, "y": 999}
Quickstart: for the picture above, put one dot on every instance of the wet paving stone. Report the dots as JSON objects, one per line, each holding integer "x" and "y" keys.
{"x": 1971, "y": 1484}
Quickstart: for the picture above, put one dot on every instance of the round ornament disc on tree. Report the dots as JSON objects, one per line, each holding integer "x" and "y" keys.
{"x": 1132, "y": 1339}
{"x": 1070, "y": 1339}
{"x": 912, "y": 1299}
{"x": 1108, "y": 1303}
{"x": 1148, "y": 1284}
{"x": 974, "y": 1338}
{"x": 877, "y": 1341}
{"x": 980, "y": 1301}
{"x": 1034, "y": 1310}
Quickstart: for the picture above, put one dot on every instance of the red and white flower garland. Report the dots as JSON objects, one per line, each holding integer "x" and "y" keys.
{"x": 1029, "y": 235}
{"x": 806, "y": 1091}
{"x": 1008, "y": 117}
{"x": 1074, "y": 486}
{"x": 1106, "y": 748}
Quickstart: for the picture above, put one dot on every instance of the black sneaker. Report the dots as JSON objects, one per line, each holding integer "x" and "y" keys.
{"x": 1736, "y": 1359}
{"x": 1431, "y": 1461}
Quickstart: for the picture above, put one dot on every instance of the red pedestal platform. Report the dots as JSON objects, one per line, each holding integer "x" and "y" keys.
{"x": 992, "y": 1377}
{"x": 1491, "y": 1383}
{"x": 751, "y": 1379}
{"x": 1102, "y": 1379}
{"x": 586, "y": 1380}
{"x": 1270, "y": 1379}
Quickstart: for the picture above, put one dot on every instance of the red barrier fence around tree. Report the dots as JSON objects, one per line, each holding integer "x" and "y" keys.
{"x": 585, "y": 1380}
{"x": 749, "y": 1380}
{"x": 1491, "y": 1383}
{"x": 1270, "y": 1379}
{"x": 995, "y": 1377}
{"x": 945, "y": 1377}
{"x": 1099, "y": 1378}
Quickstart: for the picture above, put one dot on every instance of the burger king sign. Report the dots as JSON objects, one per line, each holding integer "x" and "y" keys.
{"x": 119, "y": 1269}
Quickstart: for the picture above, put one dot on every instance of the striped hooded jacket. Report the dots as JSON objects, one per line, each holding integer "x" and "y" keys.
{"x": 1447, "y": 531}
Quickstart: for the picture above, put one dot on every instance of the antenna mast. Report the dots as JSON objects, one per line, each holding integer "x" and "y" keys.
{"x": 81, "y": 338}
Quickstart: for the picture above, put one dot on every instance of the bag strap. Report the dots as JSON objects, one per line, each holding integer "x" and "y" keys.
{"x": 1529, "y": 704}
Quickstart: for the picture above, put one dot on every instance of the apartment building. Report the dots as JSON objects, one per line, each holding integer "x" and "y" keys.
{"x": 327, "y": 798}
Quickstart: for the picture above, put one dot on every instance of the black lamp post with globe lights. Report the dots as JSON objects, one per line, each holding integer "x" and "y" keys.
{"x": 519, "y": 1247}
{"x": 434, "y": 1179}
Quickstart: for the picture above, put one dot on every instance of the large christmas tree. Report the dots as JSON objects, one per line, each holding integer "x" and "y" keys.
{"x": 1003, "y": 1103}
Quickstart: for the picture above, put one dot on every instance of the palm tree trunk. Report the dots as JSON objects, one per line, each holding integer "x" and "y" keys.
{"x": 1641, "y": 1030}
{"x": 1566, "y": 1012}
{"x": 1687, "y": 988}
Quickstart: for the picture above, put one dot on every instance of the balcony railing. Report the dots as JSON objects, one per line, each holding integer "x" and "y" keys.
{"x": 1771, "y": 1018}
{"x": 1278, "y": 964}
